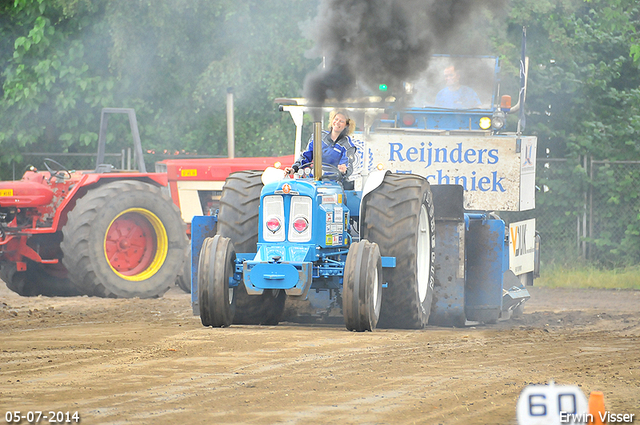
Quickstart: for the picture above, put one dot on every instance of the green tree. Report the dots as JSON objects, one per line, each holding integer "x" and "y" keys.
{"x": 584, "y": 101}
{"x": 49, "y": 76}
{"x": 64, "y": 60}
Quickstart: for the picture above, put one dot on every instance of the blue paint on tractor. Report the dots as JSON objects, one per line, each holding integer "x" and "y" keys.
{"x": 282, "y": 264}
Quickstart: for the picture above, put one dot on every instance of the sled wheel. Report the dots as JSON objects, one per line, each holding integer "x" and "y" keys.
{"x": 398, "y": 216}
{"x": 215, "y": 269}
{"x": 238, "y": 221}
{"x": 124, "y": 239}
{"x": 362, "y": 288}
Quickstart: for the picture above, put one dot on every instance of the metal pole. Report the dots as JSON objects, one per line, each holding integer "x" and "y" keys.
{"x": 230, "y": 128}
{"x": 590, "y": 204}
{"x": 584, "y": 216}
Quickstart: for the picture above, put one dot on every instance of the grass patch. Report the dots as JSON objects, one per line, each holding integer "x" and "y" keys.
{"x": 589, "y": 277}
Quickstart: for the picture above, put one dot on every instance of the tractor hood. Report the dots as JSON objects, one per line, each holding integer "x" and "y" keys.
{"x": 306, "y": 187}
{"x": 24, "y": 194}
{"x": 298, "y": 212}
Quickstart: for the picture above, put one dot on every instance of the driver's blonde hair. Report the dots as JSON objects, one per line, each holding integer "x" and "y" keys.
{"x": 351, "y": 123}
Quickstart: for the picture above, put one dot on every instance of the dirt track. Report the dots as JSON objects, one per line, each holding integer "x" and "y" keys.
{"x": 151, "y": 361}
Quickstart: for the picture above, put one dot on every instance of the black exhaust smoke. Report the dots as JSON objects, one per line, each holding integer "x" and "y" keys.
{"x": 381, "y": 41}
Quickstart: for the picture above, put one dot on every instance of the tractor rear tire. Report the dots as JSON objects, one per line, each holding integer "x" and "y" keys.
{"x": 124, "y": 239}
{"x": 399, "y": 217}
{"x": 362, "y": 287}
{"x": 238, "y": 221}
{"x": 215, "y": 296}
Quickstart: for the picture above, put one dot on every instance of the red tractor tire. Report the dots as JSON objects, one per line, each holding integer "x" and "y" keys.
{"x": 124, "y": 239}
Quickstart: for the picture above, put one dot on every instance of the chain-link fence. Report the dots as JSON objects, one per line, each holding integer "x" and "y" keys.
{"x": 587, "y": 209}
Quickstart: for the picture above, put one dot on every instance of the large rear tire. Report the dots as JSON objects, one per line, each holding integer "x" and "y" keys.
{"x": 215, "y": 296}
{"x": 398, "y": 216}
{"x": 124, "y": 239}
{"x": 362, "y": 287}
{"x": 238, "y": 221}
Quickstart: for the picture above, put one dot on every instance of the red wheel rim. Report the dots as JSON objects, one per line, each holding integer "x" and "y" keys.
{"x": 130, "y": 244}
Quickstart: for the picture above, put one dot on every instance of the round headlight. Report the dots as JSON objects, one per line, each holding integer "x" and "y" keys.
{"x": 485, "y": 123}
{"x": 499, "y": 121}
{"x": 300, "y": 224}
{"x": 273, "y": 224}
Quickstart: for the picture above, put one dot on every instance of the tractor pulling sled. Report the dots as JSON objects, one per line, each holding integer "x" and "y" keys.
{"x": 412, "y": 238}
{"x": 104, "y": 232}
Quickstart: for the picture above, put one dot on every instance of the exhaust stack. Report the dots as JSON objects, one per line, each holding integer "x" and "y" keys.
{"x": 317, "y": 150}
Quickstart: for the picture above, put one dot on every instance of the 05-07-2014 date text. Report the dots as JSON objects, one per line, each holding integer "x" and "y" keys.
{"x": 37, "y": 416}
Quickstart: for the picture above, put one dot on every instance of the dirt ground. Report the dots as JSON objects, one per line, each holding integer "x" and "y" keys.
{"x": 151, "y": 361}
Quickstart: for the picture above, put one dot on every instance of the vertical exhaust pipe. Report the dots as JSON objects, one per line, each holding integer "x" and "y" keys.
{"x": 231, "y": 142}
{"x": 317, "y": 150}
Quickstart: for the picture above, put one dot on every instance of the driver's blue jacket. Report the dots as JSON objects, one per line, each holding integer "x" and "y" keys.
{"x": 333, "y": 152}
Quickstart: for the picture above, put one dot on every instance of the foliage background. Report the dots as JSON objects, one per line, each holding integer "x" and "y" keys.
{"x": 61, "y": 61}
{"x": 173, "y": 61}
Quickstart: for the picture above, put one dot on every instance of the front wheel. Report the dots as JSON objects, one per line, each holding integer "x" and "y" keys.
{"x": 216, "y": 268}
{"x": 238, "y": 221}
{"x": 362, "y": 288}
{"x": 38, "y": 279}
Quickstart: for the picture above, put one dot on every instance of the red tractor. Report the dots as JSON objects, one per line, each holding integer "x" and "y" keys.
{"x": 105, "y": 232}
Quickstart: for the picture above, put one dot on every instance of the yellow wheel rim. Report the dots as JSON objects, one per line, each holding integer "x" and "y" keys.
{"x": 136, "y": 244}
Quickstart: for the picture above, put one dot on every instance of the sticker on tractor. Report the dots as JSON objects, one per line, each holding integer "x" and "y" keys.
{"x": 6, "y": 192}
{"x": 522, "y": 236}
{"x": 189, "y": 173}
{"x": 337, "y": 215}
{"x": 329, "y": 240}
{"x": 331, "y": 199}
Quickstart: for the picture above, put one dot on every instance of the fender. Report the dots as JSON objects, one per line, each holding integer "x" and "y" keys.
{"x": 374, "y": 180}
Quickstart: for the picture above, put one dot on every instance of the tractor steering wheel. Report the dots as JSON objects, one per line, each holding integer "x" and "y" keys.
{"x": 58, "y": 171}
{"x": 329, "y": 171}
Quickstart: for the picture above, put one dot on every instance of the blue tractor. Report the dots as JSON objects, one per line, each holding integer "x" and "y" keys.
{"x": 292, "y": 236}
{"x": 416, "y": 240}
